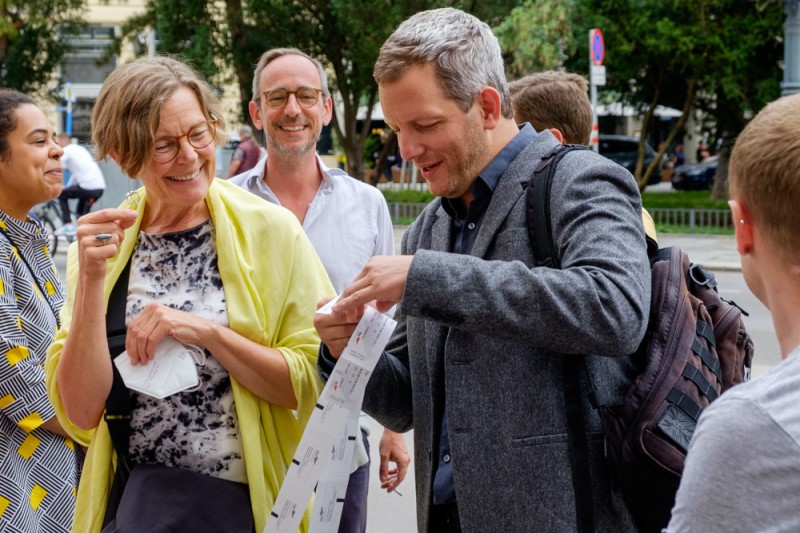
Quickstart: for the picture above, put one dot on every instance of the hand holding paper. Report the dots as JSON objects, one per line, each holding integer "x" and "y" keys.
{"x": 172, "y": 370}
{"x": 335, "y": 329}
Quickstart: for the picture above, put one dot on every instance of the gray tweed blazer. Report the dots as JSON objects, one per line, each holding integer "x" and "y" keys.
{"x": 489, "y": 332}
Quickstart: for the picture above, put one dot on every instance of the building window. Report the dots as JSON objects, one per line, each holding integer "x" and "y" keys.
{"x": 88, "y": 45}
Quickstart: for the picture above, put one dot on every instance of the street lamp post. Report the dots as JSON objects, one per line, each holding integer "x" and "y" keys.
{"x": 791, "y": 48}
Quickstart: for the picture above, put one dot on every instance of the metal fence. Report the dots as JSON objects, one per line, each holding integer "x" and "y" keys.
{"x": 404, "y": 213}
{"x": 705, "y": 221}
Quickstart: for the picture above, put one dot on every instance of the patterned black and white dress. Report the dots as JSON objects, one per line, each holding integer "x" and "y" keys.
{"x": 196, "y": 429}
{"x": 39, "y": 470}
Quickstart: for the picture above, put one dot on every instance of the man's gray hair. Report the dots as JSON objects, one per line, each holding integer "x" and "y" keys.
{"x": 271, "y": 55}
{"x": 465, "y": 54}
{"x": 246, "y": 132}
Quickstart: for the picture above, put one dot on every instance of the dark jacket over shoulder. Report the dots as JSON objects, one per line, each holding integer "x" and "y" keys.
{"x": 491, "y": 332}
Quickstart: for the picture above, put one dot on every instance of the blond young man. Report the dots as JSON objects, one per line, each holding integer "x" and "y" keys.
{"x": 557, "y": 101}
{"x": 742, "y": 471}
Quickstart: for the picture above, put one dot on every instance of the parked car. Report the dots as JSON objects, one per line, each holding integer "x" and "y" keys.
{"x": 697, "y": 176}
{"x": 624, "y": 150}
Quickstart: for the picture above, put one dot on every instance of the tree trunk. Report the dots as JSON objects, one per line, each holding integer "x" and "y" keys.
{"x": 720, "y": 189}
{"x": 678, "y": 126}
{"x": 389, "y": 148}
{"x": 244, "y": 73}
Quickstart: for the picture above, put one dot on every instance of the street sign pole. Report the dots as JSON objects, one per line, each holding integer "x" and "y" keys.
{"x": 70, "y": 98}
{"x": 597, "y": 77}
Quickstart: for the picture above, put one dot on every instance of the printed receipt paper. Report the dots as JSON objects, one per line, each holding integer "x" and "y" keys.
{"x": 325, "y": 449}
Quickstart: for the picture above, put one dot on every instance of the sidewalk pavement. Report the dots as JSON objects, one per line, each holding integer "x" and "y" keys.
{"x": 717, "y": 253}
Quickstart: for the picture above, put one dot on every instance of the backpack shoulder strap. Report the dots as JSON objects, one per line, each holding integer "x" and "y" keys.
{"x": 118, "y": 403}
{"x": 540, "y": 231}
{"x": 537, "y": 205}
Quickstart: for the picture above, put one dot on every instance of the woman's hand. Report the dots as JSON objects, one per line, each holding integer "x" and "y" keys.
{"x": 156, "y": 321}
{"x": 99, "y": 236}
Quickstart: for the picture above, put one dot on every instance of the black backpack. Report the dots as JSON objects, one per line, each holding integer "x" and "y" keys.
{"x": 695, "y": 348}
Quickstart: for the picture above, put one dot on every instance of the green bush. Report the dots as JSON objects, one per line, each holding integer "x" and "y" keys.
{"x": 406, "y": 196}
{"x": 681, "y": 200}
{"x": 650, "y": 200}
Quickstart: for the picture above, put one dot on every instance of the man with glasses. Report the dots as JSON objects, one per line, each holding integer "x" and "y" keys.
{"x": 346, "y": 220}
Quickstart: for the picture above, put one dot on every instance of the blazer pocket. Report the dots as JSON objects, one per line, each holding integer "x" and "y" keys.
{"x": 539, "y": 440}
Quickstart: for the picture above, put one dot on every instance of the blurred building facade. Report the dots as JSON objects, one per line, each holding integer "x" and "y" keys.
{"x": 85, "y": 68}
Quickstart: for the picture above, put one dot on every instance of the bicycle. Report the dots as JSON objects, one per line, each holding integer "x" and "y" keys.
{"x": 50, "y": 215}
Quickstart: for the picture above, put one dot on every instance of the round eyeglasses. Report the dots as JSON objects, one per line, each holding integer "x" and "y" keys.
{"x": 306, "y": 97}
{"x": 199, "y": 136}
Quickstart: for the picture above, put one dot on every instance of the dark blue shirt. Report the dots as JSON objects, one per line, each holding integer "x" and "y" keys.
{"x": 467, "y": 223}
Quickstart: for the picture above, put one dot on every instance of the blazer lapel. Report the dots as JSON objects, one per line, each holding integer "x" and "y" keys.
{"x": 510, "y": 189}
{"x": 442, "y": 231}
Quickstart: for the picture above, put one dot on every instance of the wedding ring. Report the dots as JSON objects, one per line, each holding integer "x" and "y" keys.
{"x": 102, "y": 237}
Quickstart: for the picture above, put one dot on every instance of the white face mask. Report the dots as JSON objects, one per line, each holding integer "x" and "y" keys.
{"x": 172, "y": 370}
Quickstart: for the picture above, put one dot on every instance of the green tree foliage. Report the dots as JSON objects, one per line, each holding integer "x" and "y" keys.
{"x": 30, "y": 47}
{"x": 746, "y": 76}
{"x": 539, "y": 35}
{"x": 720, "y": 56}
{"x": 345, "y": 35}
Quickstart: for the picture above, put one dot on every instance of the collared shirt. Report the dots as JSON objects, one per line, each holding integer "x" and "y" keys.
{"x": 345, "y": 212}
{"x": 347, "y": 222}
{"x": 467, "y": 223}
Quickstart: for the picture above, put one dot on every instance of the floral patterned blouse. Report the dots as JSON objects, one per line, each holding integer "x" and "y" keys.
{"x": 196, "y": 429}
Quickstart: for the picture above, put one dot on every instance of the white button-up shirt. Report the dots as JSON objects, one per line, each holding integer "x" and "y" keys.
{"x": 347, "y": 221}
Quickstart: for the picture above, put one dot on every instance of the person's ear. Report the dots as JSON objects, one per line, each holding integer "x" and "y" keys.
{"x": 557, "y": 134}
{"x": 489, "y": 101}
{"x": 327, "y": 114}
{"x": 743, "y": 222}
{"x": 255, "y": 114}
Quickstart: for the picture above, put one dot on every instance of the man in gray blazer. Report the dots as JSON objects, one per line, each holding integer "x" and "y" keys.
{"x": 476, "y": 364}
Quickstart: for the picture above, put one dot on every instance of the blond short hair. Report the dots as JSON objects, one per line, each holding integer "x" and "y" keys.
{"x": 554, "y": 99}
{"x": 763, "y": 172}
{"x": 127, "y": 111}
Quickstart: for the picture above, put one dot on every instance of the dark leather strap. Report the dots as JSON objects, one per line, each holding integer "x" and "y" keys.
{"x": 684, "y": 403}
{"x": 696, "y": 376}
{"x": 708, "y": 358}
{"x": 118, "y": 403}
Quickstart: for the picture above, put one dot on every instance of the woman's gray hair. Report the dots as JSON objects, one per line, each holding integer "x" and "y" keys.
{"x": 463, "y": 50}
{"x": 271, "y": 55}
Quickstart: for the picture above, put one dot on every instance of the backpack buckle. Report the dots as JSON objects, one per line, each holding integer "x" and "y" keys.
{"x": 701, "y": 276}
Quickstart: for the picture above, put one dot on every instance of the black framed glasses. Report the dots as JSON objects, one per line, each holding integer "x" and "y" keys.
{"x": 199, "y": 136}
{"x": 306, "y": 97}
